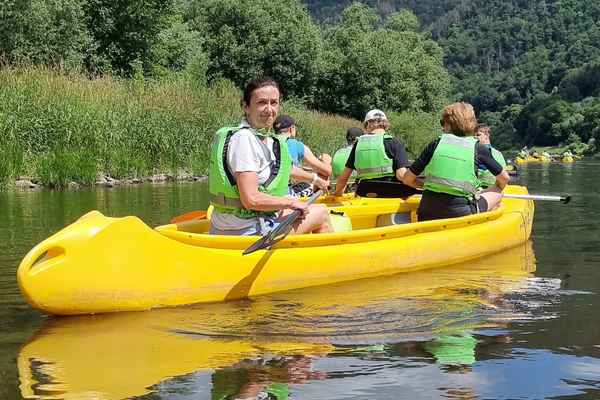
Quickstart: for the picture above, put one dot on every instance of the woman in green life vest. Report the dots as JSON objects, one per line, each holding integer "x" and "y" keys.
{"x": 483, "y": 133}
{"x": 250, "y": 169}
{"x": 377, "y": 155}
{"x": 450, "y": 164}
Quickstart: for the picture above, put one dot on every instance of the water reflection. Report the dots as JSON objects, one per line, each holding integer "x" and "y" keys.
{"x": 270, "y": 346}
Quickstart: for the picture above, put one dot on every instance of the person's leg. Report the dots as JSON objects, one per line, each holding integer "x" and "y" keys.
{"x": 317, "y": 220}
{"x": 493, "y": 195}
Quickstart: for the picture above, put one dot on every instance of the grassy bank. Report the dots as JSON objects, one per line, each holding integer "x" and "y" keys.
{"x": 57, "y": 128}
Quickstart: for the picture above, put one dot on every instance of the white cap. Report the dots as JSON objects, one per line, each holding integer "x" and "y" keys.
{"x": 375, "y": 114}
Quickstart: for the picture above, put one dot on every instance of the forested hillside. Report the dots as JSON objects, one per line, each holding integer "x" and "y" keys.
{"x": 528, "y": 66}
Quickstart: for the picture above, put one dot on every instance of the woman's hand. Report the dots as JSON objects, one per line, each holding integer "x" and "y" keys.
{"x": 326, "y": 158}
{"x": 323, "y": 184}
{"x": 299, "y": 205}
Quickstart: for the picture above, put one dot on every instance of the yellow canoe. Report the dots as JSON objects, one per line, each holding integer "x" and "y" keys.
{"x": 123, "y": 355}
{"x": 567, "y": 159}
{"x": 102, "y": 264}
{"x": 532, "y": 159}
{"x": 545, "y": 159}
{"x": 520, "y": 160}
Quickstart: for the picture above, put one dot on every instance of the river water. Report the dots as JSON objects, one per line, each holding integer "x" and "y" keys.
{"x": 520, "y": 324}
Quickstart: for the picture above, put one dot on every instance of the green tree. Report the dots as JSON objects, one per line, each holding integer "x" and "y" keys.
{"x": 366, "y": 67}
{"x": 124, "y": 31}
{"x": 248, "y": 38}
{"x": 49, "y": 32}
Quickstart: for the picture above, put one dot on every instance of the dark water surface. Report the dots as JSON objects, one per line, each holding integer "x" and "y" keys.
{"x": 523, "y": 324}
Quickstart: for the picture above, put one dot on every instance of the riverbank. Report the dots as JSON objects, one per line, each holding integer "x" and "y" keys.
{"x": 58, "y": 128}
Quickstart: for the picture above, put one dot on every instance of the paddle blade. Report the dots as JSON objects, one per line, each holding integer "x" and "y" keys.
{"x": 191, "y": 216}
{"x": 282, "y": 230}
{"x": 276, "y": 236}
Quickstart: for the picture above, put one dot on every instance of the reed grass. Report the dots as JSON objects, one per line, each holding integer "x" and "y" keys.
{"x": 58, "y": 128}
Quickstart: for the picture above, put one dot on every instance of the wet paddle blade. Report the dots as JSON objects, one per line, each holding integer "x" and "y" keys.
{"x": 282, "y": 230}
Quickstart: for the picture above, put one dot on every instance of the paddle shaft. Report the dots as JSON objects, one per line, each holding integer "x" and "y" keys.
{"x": 564, "y": 199}
{"x": 384, "y": 189}
{"x": 282, "y": 230}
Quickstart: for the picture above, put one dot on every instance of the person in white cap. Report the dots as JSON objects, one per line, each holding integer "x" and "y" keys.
{"x": 377, "y": 155}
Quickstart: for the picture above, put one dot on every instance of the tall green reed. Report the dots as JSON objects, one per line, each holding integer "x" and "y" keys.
{"x": 70, "y": 128}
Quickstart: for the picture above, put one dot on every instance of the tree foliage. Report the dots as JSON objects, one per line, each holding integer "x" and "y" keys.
{"x": 248, "y": 38}
{"x": 393, "y": 68}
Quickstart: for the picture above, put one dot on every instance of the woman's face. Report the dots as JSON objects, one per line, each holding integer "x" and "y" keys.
{"x": 263, "y": 107}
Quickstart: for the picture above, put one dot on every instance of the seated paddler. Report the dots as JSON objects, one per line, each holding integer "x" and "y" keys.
{"x": 377, "y": 155}
{"x": 451, "y": 187}
{"x": 250, "y": 169}
{"x": 483, "y": 134}
{"x": 285, "y": 126}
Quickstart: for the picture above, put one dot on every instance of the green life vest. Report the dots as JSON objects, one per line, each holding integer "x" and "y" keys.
{"x": 546, "y": 154}
{"x": 535, "y": 154}
{"x": 522, "y": 154}
{"x": 451, "y": 169}
{"x": 339, "y": 161}
{"x": 485, "y": 176}
{"x": 222, "y": 185}
{"x": 371, "y": 161}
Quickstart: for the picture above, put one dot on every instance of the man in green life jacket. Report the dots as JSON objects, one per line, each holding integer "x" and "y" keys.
{"x": 482, "y": 132}
{"x": 535, "y": 154}
{"x": 546, "y": 154}
{"x": 568, "y": 154}
{"x": 377, "y": 155}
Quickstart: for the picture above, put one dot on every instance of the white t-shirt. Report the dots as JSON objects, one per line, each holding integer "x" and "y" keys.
{"x": 245, "y": 154}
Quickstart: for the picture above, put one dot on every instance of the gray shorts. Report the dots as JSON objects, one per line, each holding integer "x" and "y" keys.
{"x": 254, "y": 230}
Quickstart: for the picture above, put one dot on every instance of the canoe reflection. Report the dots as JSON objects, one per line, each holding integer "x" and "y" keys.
{"x": 260, "y": 347}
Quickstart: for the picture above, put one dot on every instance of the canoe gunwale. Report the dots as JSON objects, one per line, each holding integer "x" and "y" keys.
{"x": 331, "y": 239}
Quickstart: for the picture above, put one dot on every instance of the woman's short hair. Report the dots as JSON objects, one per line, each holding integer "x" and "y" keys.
{"x": 373, "y": 124}
{"x": 254, "y": 84}
{"x": 460, "y": 117}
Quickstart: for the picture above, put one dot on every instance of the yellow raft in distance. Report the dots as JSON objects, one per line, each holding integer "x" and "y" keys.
{"x": 101, "y": 264}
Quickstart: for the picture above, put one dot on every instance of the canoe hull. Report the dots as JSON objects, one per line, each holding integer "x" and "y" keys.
{"x": 101, "y": 264}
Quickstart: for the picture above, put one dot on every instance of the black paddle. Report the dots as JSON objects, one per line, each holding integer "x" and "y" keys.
{"x": 394, "y": 190}
{"x": 282, "y": 230}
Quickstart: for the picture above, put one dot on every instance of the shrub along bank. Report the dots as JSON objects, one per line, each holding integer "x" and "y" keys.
{"x": 57, "y": 128}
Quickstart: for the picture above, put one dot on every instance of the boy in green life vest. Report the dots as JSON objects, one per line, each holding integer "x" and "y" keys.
{"x": 546, "y": 154}
{"x": 377, "y": 155}
{"x": 568, "y": 154}
{"x": 483, "y": 133}
{"x": 535, "y": 154}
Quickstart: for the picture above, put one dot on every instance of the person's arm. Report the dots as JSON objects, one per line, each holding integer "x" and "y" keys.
{"x": 342, "y": 181}
{"x": 298, "y": 174}
{"x": 320, "y": 166}
{"x": 411, "y": 176}
{"x": 412, "y": 180}
{"x": 253, "y": 199}
{"x": 488, "y": 160}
